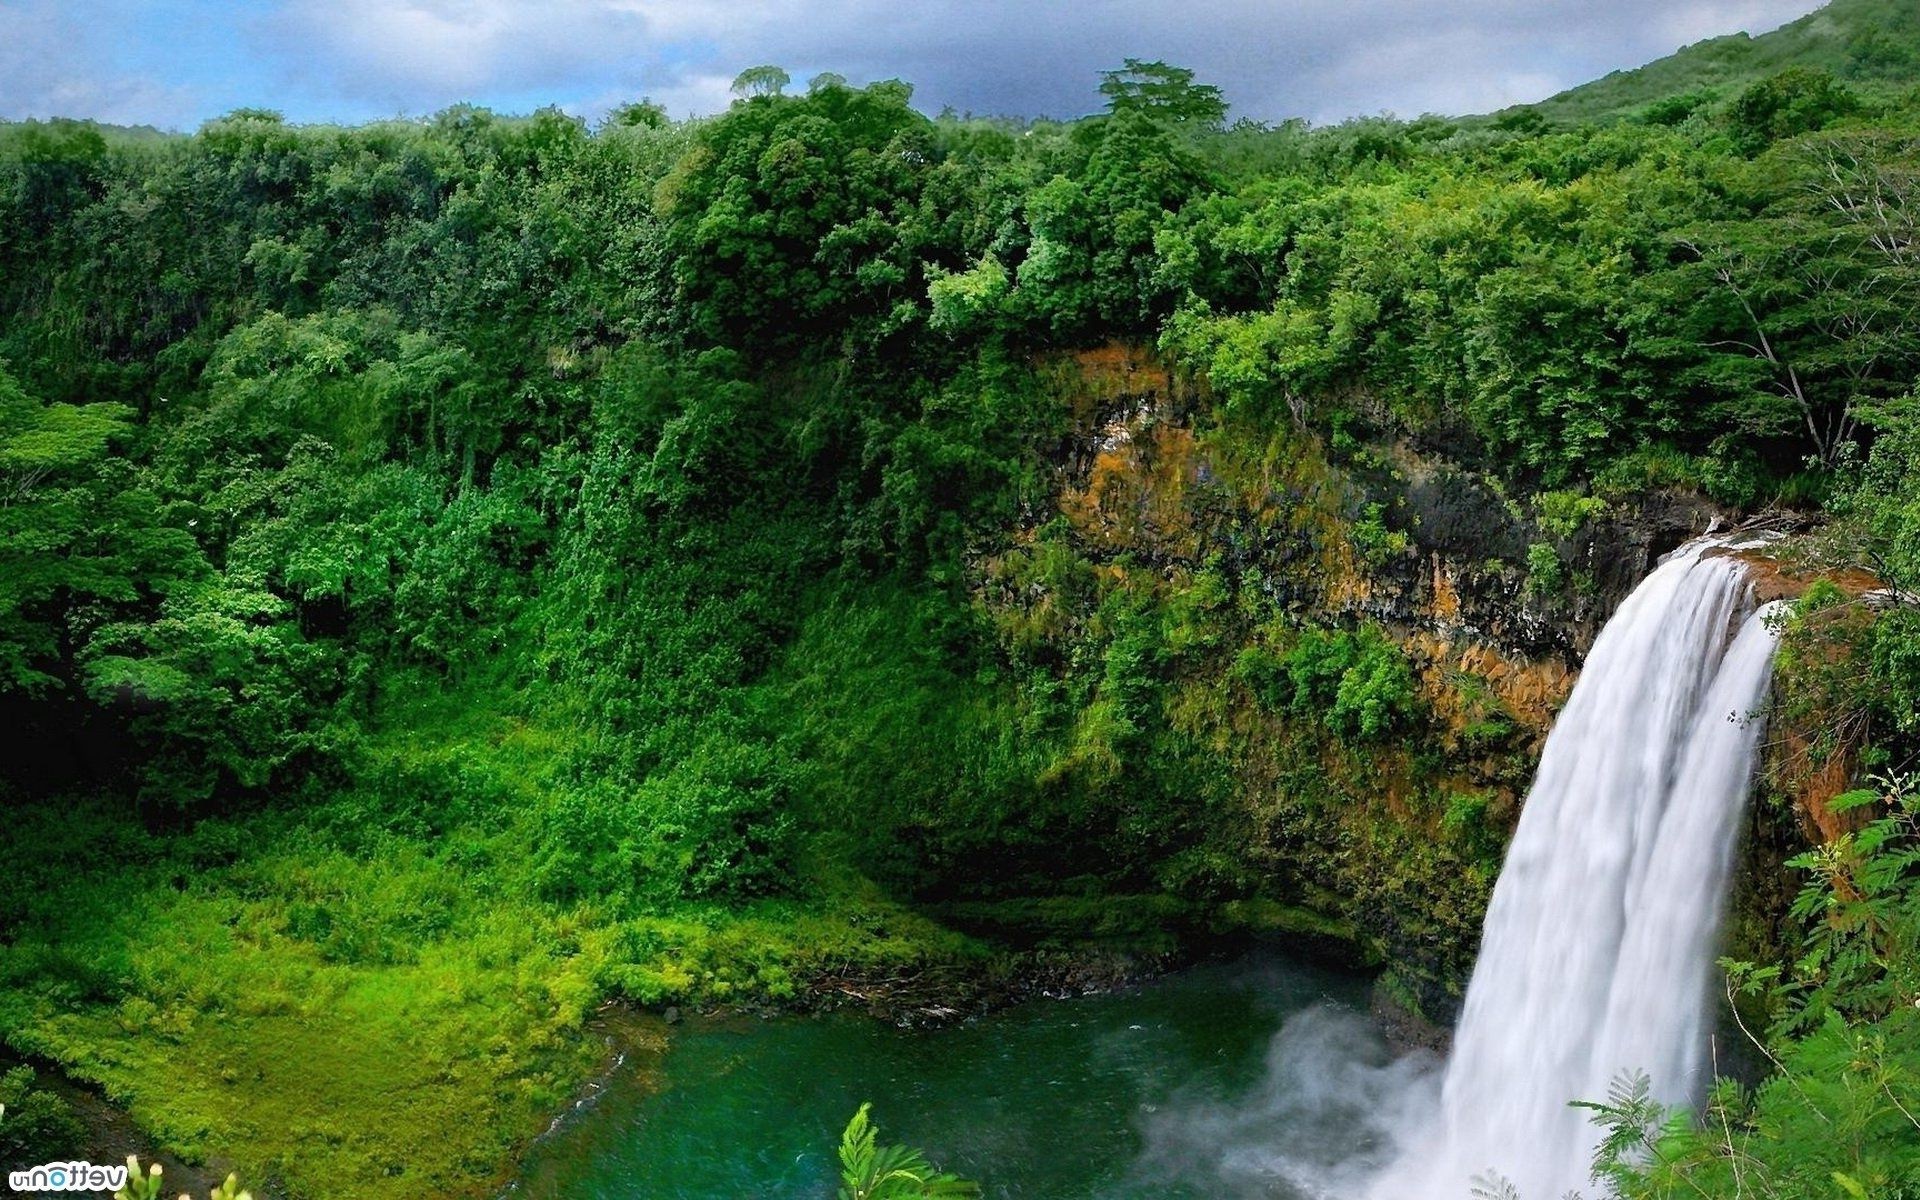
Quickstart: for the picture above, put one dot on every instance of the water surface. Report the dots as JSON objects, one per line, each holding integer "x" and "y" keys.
{"x": 1175, "y": 1090}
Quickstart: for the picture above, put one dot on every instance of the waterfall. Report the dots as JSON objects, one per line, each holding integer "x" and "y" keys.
{"x": 1598, "y": 950}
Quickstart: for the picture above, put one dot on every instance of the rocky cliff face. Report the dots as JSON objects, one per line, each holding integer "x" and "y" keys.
{"x": 1262, "y": 534}
{"x": 1391, "y": 532}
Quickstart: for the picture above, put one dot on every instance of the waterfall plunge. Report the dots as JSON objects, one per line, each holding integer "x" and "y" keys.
{"x": 1598, "y": 950}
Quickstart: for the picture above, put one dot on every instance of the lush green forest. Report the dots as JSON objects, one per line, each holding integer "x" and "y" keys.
{"x": 460, "y": 572}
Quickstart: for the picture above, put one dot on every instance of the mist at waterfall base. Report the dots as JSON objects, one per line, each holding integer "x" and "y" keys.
{"x": 1598, "y": 952}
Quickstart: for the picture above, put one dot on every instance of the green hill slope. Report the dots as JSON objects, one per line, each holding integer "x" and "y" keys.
{"x": 1873, "y": 44}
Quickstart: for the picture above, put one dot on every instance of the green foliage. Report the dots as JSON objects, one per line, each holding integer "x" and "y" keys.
{"x": 36, "y": 1126}
{"x": 1564, "y": 514}
{"x": 1797, "y": 100}
{"x": 1546, "y": 574}
{"x": 761, "y": 81}
{"x": 1884, "y": 498}
{"x": 1359, "y": 684}
{"x": 966, "y": 301}
{"x": 1163, "y": 92}
{"x": 1861, "y": 907}
{"x": 727, "y": 813}
{"x": 1090, "y": 261}
{"x": 348, "y": 379}
{"x": 80, "y": 539}
{"x": 794, "y": 217}
{"x": 870, "y": 1171}
{"x": 1466, "y": 820}
{"x": 1836, "y": 1117}
{"x": 222, "y": 686}
{"x": 1834, "y": 1121}
{"x": 1882, "y": 502}
{"x": 1377, "y": 543}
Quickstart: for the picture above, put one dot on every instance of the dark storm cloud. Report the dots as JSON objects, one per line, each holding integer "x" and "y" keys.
{"x": 1324, "y": 59}
{"x": 345, "y": 59}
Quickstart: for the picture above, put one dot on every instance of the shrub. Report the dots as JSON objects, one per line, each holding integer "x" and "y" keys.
{"x": 730, "y": 814}
{"x": 35, "y": 1125}
{"x": 1359, "y": 681}
{"x": 1545, "y": 573}
{"x": 1563, "y": 514}
{"x": 1378, "y": 544}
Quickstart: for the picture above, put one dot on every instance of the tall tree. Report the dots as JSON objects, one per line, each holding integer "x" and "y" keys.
{"x": 1164, "y": 92}
{"x": 761, "y": 81}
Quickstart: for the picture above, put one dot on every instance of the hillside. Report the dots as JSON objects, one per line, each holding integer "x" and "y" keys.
{"x": 1871, "y": 44}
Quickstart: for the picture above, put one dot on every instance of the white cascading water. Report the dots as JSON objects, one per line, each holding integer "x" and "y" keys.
{"x": 1599, "y": 942}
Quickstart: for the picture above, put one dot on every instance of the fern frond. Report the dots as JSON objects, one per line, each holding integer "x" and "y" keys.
{"x": 1493, "y": 1186}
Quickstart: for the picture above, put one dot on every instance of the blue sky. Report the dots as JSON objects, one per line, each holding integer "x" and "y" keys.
{"x": 175, "y": 63}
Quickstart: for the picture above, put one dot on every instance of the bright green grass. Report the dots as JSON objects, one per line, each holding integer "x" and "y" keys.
{"x": 370, "y": 1001}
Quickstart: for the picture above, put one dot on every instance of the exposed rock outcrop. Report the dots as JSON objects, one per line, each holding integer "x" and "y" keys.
{"x": 1493, "y": 602}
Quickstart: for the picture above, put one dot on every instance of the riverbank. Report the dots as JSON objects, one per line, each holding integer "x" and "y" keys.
{"x": 340, "y": 1020}
{"x": 109, "y": 1132}
{"x": 348, "y": 1020}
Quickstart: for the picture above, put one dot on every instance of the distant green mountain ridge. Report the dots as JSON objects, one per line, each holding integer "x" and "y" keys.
{"x": 1872, "y": 45}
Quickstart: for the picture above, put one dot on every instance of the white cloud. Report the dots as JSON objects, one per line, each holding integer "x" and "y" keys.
{"x": 52, "y": 66}
{"x": 1685, "y": 24}
{"x": 428, "y": 53}
{"x": 694, "y": 93}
